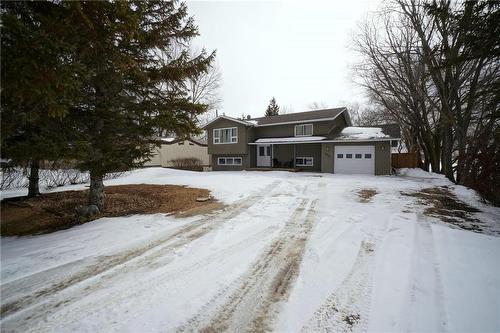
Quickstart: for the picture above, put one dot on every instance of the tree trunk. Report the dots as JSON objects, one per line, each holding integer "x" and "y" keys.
{"x": 33, "y": 189}
{"x": 96, "y": 193}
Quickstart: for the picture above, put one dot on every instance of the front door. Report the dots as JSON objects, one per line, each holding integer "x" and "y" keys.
{"x": 263, "y": 155}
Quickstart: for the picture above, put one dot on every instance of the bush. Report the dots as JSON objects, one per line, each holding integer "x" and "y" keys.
{"x": 190, "y": 163}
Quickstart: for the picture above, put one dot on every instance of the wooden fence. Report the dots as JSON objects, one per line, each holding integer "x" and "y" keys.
{"x": 404, "y": 160}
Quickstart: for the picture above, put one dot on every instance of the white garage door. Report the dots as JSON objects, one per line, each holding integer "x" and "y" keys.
{"x": 355, "y": 159}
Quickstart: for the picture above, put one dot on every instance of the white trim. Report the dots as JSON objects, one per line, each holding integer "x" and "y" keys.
{"x": 323, "y": 141}
{"x": 312, "y": 129}
{"x": 230, "y": 157}
{"x": 222, "y": 129}
{"x": 304, "y": 161}
{"x": 228, "y": 118}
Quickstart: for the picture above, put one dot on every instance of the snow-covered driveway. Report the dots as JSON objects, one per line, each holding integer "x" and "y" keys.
{"x": 290, "y": 252}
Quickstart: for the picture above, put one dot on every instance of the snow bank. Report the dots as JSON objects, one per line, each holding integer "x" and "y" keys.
{"x": 418, "y": 173}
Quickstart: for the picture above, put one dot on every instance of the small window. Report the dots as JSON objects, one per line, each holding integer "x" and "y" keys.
{"x": 348, "y": 155}
{"x": 359, "y": 155}
{"x": 368, "y": 155}
{"x": 340, "y": 155}
{"x": 304, "y": 130}
{"x": 191, "y": 144}
{"x": 229, "y": 161}
{"x": 268, "y": 150}
{"x": 394, "y": 143}
{"x": 304, "y": 161}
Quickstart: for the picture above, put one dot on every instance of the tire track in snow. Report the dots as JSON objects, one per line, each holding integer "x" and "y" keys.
{"x": 425, "y": 283}
{"x": 108, "y": 264}
{"x": 254, "y": 303}
{"x": 345, "y": 309}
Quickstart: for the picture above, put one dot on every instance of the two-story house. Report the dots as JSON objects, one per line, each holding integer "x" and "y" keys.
{"x": 321, "y": 141}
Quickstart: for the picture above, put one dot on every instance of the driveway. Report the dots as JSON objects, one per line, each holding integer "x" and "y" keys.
{"x": 289, "y": 252}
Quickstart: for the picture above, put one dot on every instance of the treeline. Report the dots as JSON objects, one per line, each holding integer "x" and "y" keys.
{"x": 93, "y": 83}
{"x": 434, "y": 67}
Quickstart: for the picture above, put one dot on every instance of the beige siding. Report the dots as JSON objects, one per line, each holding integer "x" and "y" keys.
{"x": 185, "y": 149}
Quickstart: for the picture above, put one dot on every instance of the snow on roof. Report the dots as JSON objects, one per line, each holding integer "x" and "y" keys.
{"x": 167, "y": 139}
{"x": 362, "y": 133}
{"x": 290, "y": 139}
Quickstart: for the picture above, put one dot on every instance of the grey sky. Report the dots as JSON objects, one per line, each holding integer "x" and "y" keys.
{"x": 295, "y": 51}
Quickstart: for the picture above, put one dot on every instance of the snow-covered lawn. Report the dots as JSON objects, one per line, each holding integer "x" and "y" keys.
{"x": 290, "y": 252}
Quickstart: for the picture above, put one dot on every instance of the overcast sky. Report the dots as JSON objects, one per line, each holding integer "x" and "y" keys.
{"x": 297, "y": 52}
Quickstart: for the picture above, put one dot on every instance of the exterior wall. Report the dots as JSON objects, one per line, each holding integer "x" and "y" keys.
{"x": 327, "y": 157}
{"x": 382, "y": 155}
{"x": 245, "y": 163}
{"x": 185, "y": 149}
{"x": 382, "y": 158}
{"x": 284, "y": 153}
{"x": 321, "y": 128}
{"x": 241, "y": 147}
{"x": 309, "y": 150}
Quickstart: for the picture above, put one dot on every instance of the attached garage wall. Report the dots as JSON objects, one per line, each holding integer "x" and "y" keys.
{"x": 327, "y": 150}
{"x": 382, "y": 156}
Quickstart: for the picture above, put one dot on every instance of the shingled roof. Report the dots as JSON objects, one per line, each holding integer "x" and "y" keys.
{"x": 299, "y": 116}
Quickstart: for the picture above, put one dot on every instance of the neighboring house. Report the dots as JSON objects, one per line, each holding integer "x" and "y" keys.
{"x": 173, "y": 148}
{"x": 321, "y": 141}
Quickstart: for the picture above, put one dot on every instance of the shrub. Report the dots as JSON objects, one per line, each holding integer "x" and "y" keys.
{"x": 189, "y": 163}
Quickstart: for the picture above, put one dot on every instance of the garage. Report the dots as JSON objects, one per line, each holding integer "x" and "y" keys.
{"x": 354, "y": 160}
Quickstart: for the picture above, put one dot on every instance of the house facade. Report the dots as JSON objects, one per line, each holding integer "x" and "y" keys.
{"x": 320, "y": 141}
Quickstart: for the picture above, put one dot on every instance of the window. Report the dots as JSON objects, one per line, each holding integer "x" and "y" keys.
{"x": 359, "y": 155}
{"x": 368, "y": 155}
{"x": 340, "y": 155}
{"x": 191, "y": 144}
{"x": 262, "y": 151}
{"x": 304, "y": 161}
{"x": 394, "y": 143}
{"x": 348, "y": 155}
{"x": 226, "y": 135}
{"x": 304, "y": 130}
{"x": 229, "y": 161}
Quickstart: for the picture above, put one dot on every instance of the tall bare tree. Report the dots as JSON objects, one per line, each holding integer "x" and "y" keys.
{"x": 436, "y": 67}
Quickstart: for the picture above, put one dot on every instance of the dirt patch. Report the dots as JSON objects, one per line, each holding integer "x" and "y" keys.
{"x": 56, "y": 211}
{"x": 365, "y": 195}
{"x": 444, "y": 205}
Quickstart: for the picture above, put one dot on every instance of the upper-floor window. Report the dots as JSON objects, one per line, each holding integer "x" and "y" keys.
{"x": 226, "y": 135}
{"x": 304, "y": 130}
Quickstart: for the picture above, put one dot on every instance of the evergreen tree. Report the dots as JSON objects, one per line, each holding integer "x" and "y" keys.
{"x": 272, "y": 109}
{"x": 39, "y": 83}
{"x": 135, "y": 87}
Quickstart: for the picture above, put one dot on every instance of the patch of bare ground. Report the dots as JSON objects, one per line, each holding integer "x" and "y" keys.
{"x": 444, "y": 205}
{"x": 56, "y": 211}
{"x": 365, "y": 195}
